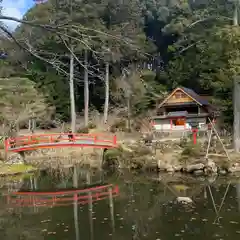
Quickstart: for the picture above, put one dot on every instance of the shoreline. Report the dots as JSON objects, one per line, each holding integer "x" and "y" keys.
{"x": 135, "y": 153}
{"x": 15, "y": 169}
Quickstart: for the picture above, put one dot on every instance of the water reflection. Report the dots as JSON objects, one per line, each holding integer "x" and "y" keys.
{"x": 238, "y": 195}
{"x": 77, "y": 204}
{"x": 62, "y": 198}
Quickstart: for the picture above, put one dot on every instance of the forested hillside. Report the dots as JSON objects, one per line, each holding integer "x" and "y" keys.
{"x": 135, "y": 50}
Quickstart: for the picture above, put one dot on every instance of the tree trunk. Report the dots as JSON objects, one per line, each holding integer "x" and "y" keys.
{"x": 111, "y": 206}
{"x": 235, "y": 13}
{"x": 236, "y": 110}
{"x": 128, "y": 110}
{"x": 86, "y": 88}
{"x": 106, "y": 104}
{"x": 72, "y": 95}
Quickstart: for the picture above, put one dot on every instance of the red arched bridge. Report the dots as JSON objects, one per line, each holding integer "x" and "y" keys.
{"x": 33, "y": 142}
{"x": 62, "y": 198}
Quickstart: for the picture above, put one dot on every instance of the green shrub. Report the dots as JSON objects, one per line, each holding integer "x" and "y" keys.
{"x": 192, "y": 150}
{"x": 183, "y": 142}
{"x": 113, "y": 153}
{"x": 91, "y": 125}
{"x": 2, "y": 142}
{"x": 119, "y": 125}
{"x": 112, "y": 158}
{"x": 83, "y": 130}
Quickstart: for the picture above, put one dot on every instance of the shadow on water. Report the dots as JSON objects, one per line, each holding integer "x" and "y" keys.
{"x": 78, "y": 204}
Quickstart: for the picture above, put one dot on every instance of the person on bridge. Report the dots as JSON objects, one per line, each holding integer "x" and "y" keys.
{"x": 12, "y": 142}
{"x": 70, "y": 136}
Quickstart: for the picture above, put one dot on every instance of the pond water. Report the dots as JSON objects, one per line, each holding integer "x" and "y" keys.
{"x": 117, "y": 206}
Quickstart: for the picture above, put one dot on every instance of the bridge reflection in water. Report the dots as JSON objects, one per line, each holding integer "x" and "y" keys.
{"x": 75, "y": 197}
{"x": 62, "y": 198}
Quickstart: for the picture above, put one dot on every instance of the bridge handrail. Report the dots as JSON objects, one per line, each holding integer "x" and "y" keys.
{"x": 59, "y": 137}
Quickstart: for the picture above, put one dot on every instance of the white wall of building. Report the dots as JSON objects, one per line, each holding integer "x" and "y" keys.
{"x": 161, "y": 125}
{"x": 165, "y": 125}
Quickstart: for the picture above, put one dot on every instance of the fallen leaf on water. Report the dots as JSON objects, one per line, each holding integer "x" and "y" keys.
{"x": 233, "y": 222}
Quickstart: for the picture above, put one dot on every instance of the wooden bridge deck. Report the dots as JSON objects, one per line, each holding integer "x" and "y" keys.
{"x": 26, "y": 143}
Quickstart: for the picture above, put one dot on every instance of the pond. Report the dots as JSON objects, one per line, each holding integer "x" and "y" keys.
{"x": 78, "y": 204}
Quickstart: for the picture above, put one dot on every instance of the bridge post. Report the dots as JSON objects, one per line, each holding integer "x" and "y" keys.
{"x": 115, "y": 140}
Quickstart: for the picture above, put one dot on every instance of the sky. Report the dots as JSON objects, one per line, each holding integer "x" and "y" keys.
{"x": 15, "y": 8}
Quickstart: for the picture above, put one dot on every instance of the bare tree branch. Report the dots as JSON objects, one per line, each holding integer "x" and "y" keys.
{"x": 9, "y": 34}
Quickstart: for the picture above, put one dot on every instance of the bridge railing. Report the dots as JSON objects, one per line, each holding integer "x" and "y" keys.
{"x": 22, "y": 141}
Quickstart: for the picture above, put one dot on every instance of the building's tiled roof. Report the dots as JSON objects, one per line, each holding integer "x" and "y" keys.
{"x": 195, "y": 96}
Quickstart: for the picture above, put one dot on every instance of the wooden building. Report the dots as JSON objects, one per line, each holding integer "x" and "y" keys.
{"x": 182, "y": 110}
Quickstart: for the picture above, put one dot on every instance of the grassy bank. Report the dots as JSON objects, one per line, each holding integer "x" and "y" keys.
{"x": 14, "y": 169}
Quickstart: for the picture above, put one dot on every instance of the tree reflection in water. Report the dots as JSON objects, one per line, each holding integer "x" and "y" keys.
{"x": 146, "y": 208}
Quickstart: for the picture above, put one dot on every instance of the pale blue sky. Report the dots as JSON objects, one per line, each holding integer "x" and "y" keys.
{"x": 15, "y": 8}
